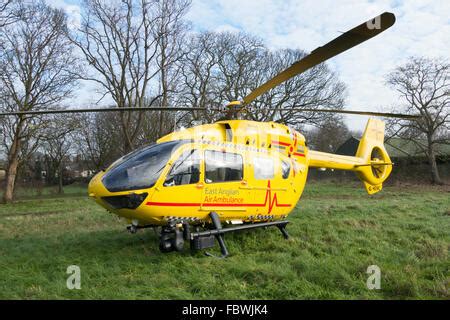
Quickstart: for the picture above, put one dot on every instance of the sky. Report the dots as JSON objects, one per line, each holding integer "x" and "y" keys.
{"x": 422, "y": 28}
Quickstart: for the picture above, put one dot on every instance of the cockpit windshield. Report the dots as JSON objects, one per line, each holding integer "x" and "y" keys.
{"x": 141, "y": 169}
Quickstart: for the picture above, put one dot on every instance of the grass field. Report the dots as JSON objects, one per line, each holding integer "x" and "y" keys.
{"x": 336, "y": 233}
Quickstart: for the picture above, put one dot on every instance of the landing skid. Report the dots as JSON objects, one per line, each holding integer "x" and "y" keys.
{"x": 173, "y": 236}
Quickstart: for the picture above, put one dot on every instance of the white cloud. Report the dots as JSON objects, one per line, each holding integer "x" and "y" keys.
{"x": 422, "y": 28}
{"x": 226, "y": 28}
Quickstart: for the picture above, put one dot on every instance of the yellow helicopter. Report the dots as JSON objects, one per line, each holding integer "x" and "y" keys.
{"x": 234, "y": 174}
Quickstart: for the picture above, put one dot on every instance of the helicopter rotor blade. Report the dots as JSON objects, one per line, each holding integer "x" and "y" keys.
{"x": 64, "y": 111}
{"x": 38, "y": 112}
{"x": 357, "y": 112}
{"x": 345, "y": 41}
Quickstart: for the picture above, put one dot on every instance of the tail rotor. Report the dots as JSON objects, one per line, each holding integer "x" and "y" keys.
{"x": 377, "y": 164}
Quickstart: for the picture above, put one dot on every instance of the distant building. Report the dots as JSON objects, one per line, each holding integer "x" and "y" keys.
{"x": 87, "y": 173}
{"x": 349, "y": 147}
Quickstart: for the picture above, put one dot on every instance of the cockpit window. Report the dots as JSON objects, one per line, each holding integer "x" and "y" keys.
{"x": 141, "y": 169}
{"x": 186, "y": 170}
{"x": 128, "y": 156}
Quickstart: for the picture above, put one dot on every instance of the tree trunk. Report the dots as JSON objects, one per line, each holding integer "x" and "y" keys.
{"x": 164, "y": 101}
{"x": 163, "y": 82}
{"x": 126, "y": 146}
{"x": 10, "y": 181}
{"x": 11, "y": 170}
{"x": 435, "y": 178}
{"x": 127, "y": 143}
{"x": 60, "y": 179}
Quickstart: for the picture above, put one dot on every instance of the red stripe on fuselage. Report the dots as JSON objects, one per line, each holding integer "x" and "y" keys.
{"x": 268, "y": 199}
{"x": 173, "y": 204}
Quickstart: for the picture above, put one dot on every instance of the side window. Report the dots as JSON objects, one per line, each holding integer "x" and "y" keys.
{"x": 223, "y": 166}
{"x": 285, "y": 169}
{"x": 185, "y": 170}
{"x": 264, "y": 168}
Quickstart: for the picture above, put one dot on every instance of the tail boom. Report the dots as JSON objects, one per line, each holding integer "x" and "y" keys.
{"x": 371, "y": 162}
{"x": 318, "y": 159}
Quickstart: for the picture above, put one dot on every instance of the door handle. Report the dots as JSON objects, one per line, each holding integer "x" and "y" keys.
{"x": 244, "y": 185}
{"x": 199, "y": 185}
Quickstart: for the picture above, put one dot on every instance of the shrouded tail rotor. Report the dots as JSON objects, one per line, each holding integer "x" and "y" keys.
{"x": 377, "y": 164}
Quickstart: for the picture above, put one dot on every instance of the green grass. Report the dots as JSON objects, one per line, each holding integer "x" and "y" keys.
{"x": 336, "y": 233}
{"x": 22, "y": 193}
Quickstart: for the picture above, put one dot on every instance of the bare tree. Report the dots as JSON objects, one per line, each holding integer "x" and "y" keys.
{"x": 316, "y": 88}
{"x": 31, "y": 133}
{"x": 57, "y": 143}
{"x": 97, "y": 139}
{"x": 10, "y": 10}
{"x": 222, "y": 67}
{"x": 239, "y": 58}
{"x": 170, "y": 31}
{"x": 199, "y": 85}
{"x": 330, "y": 135}
{"x": 36, "y": 72}
{"x": 424, "y": 88}
{"x": 127, "y": 44}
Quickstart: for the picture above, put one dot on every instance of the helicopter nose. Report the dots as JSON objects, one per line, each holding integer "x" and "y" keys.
{"x": 95, "y": 187}
{"x": 98, "y": 191}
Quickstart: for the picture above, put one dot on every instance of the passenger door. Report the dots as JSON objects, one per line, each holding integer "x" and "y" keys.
{"x": 181, "y": 190}
{"x": 224, "y": 174}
